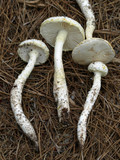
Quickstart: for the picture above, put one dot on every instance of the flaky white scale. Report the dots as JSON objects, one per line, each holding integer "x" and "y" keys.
{"x": 30, "y": 51}
{"x": 64, "y": 33}
{"x": 89, "y": 15}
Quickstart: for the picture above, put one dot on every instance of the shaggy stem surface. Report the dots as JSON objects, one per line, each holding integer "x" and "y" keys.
{"x": 89, "y": 15}
{"x": 16, "y": 99}
{"x": 90, "y": 100}
{"x": 60, "y": 90}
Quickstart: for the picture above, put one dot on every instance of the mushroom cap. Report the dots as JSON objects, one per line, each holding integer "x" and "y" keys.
{"x": 50, "y": 27}
{"x": 27, "y": 46}
{"x": 92, "y": 50}
{"x": 98, "y": 67}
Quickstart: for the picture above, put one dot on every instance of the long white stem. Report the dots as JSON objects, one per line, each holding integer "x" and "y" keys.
{"x": 16, "y": 98}
{"x": 60, "y": 90}
{"x": 89, "y": 15}
{"x": 91, "y": 98}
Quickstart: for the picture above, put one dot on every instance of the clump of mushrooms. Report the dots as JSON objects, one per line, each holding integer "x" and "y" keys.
{"x": 96, "y": 52}
{"x": 35, "y": 52}
{"x": 64, "y": 34}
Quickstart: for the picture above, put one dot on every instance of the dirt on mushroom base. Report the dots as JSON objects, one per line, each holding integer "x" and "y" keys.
{"x": 22, "y": 22}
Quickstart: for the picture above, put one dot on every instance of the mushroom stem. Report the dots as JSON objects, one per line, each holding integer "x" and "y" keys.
{"x": 60, "y": 90}
{"x": 16, "y": 98}
{"x": 100, "y": 70}
{"x": 90, "y": 100}
{"x": 89, "y": 15}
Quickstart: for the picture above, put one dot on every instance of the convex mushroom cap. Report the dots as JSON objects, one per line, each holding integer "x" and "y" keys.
{"x": 92, "y": 50}
{"x": 98, "y": 67}
{"x": 51, "y": 26}
{"x": 28, "y": 46}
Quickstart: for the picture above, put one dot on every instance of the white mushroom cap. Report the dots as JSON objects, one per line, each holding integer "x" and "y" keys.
{"x": 50, "y": 27}
{"x": 98, "y": 67}
{"x": 92, "y": 50}
{"x": 27, "y": 46}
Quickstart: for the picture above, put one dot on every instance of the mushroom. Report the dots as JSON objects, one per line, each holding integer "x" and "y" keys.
{"x": 64, "y": 33}
{"x": 96, "y": 52}
{"x": 35, "y": 52}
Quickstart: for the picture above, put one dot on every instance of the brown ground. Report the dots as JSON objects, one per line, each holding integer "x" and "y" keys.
{"x": 18, "y": 22}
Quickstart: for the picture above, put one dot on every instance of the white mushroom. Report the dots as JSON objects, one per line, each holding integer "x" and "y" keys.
{"x": 91, "y": 50}
{"x": 89, "y": 15}
{"x": 100, "y": 70}
{"x": 35, "y": 52}
{"x": 96, "y": 52}
{"x": 64, "y": 33}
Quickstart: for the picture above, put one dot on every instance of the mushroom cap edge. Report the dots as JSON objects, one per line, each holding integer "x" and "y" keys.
{"x": 29, "y": 45}
{"x": 92, "y": 50}
{"x": 51, "y": 26}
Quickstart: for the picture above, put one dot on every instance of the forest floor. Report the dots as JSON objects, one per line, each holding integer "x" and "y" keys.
{"x": 20, "y": 21}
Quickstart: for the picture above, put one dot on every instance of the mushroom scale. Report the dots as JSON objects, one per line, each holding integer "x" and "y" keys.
{"x": 29, "y": 50}
{"x": 63, "y": 33}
